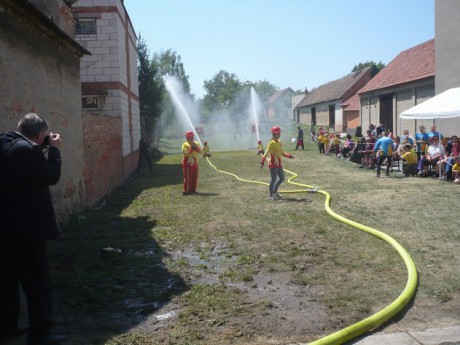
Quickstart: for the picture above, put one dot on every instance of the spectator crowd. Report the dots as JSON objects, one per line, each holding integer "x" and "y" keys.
{"x": 425, "y": 154}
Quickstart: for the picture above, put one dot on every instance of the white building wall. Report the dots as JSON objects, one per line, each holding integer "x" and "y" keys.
{"x": 447, "y": 46}
{"x": 112, "y": 52}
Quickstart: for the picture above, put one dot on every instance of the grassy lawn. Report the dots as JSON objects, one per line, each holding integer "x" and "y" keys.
{"x": 230, "y": 266}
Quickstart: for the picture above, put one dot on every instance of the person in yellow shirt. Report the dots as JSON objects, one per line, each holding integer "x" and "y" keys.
{"x": 456, "y": 170}
{"x": 260, "y": 148}
{"x": 190, "y": 150}
{"x": 335, "y": 147}
{"x": 321, "y": 139}
{"x": 410, "y": 160}
{"x": 327, "y": 143}
{"x": 275, "y": 150}
{"x": 205, "y": 150}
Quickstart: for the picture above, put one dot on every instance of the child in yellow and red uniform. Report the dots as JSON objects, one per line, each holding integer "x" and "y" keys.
{"x": 327, "y": 143}
{"x": 456, "y": 170}
{"x": 190, "y": 150}
{"x": 410, "y": 160}
{"x": 335, "y": 147}
{"x": 260, "y": 148}
{"x": 205, "y": 150}
{"x": 321, "y": 140}
{"x": 275, "y": 150}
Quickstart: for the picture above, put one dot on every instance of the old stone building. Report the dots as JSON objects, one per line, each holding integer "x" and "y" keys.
{"x": 110, "y": 96}
{"x": 278, "y": 106}
{"x": 406, "y": 81}
{"x": 322, "y": 106}
{"x": 45, "y": 46}
{"x": 40, "y": 72}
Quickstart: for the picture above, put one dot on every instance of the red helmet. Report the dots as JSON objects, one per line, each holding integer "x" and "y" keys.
{"x": 189, "y": 134}
{"x": 205, "y": 143}
{"x": 276, "y": 130}
{"x": 259, "y": 141}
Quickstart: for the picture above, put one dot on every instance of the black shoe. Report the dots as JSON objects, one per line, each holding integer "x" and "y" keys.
{"x": 50, "y": 339}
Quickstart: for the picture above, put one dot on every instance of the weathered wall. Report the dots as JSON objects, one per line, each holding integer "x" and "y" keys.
{"x": 405, "y": 96}
{"x": 40, "y": 73}
{"x": 111, "y": 74}
{"x": 352, "y": 119}
{"x": 103, "y": 149}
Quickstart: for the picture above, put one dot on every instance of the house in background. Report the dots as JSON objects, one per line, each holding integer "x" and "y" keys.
{"x": 351, "y": 117}
{"x": 279, "y": 104}
{"x": 406, "y": 81}
{"x": 40, "y": 69}
{"x": 110, "y": 94}
{"x": 322, "y": 106}
{"x": 294, "y": 101}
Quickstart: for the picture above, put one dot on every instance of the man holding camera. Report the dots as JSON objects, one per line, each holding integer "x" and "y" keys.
{"x": 28, "y": 221}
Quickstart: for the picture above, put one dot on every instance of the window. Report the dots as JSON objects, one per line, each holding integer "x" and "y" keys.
{"x": 90, "y": 102}
{"x": 85, "y": 26}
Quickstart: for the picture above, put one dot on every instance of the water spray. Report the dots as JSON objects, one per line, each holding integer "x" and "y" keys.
{"x": 254, "y": 110}
{"x": 173, "y": 86}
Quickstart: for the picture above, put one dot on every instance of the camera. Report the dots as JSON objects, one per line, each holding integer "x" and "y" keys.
{"x": 46, "y": 141}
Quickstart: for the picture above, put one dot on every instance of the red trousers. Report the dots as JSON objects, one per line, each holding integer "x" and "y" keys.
{"x": 190, "y": 177}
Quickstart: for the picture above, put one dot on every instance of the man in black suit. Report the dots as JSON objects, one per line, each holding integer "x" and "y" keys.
{"x": 27, "y": 222}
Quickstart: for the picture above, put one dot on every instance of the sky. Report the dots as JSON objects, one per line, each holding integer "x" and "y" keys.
{"x": 301, "y": 44}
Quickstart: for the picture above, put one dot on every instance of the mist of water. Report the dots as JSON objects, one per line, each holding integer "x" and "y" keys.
{"x": 256, "y": 108}
{"x": 178, "y": 96}
{"x": 224, "y": 130}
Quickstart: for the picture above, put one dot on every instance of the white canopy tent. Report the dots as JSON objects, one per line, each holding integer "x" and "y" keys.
{"x": 446, "y": 105}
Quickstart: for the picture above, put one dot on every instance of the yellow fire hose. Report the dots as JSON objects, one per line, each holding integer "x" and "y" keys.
{"x": 381, "y": 316}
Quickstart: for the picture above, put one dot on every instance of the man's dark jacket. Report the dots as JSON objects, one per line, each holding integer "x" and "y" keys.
{"x": 26, "y": 208}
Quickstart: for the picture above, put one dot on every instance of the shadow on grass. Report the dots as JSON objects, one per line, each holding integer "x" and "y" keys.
{"x": 163, "y": 175}
{"x": 99, "y": 292}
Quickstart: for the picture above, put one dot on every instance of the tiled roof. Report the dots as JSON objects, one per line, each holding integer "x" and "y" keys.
{"x": 351, "y": 104}
{"x": 410, "y": 65}
{"x": 278, "y": 94}
{"x": 333, "y": 90}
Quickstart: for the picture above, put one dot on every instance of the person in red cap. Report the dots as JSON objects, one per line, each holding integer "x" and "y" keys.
{"x": 190, "y": 150}
{"x": 205, "y": 150}
{"x": 260, "y": 147}
{"x": 275, "y": 150}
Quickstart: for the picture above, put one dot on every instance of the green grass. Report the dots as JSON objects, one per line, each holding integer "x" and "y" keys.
{"x": 231, "y": 232}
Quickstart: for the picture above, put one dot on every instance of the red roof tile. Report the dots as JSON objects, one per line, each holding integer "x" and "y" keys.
{"x": 351, "y": 104}
{"x": 336, "y": 89}
{"x": 410, "y": 65}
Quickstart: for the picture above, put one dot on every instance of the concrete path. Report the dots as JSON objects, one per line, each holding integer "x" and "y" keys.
{"x": 432, "y": 336}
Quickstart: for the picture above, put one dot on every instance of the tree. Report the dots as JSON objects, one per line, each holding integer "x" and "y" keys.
{"x": 376, "y": 67}
{"x": 221, "y": 92}
{"x": 169, "y": 63}
{"x": 151, "y": 88}
{"x": 263, "y": 88}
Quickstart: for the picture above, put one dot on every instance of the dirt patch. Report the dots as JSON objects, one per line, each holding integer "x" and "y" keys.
{"x": 277, "y": 308}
